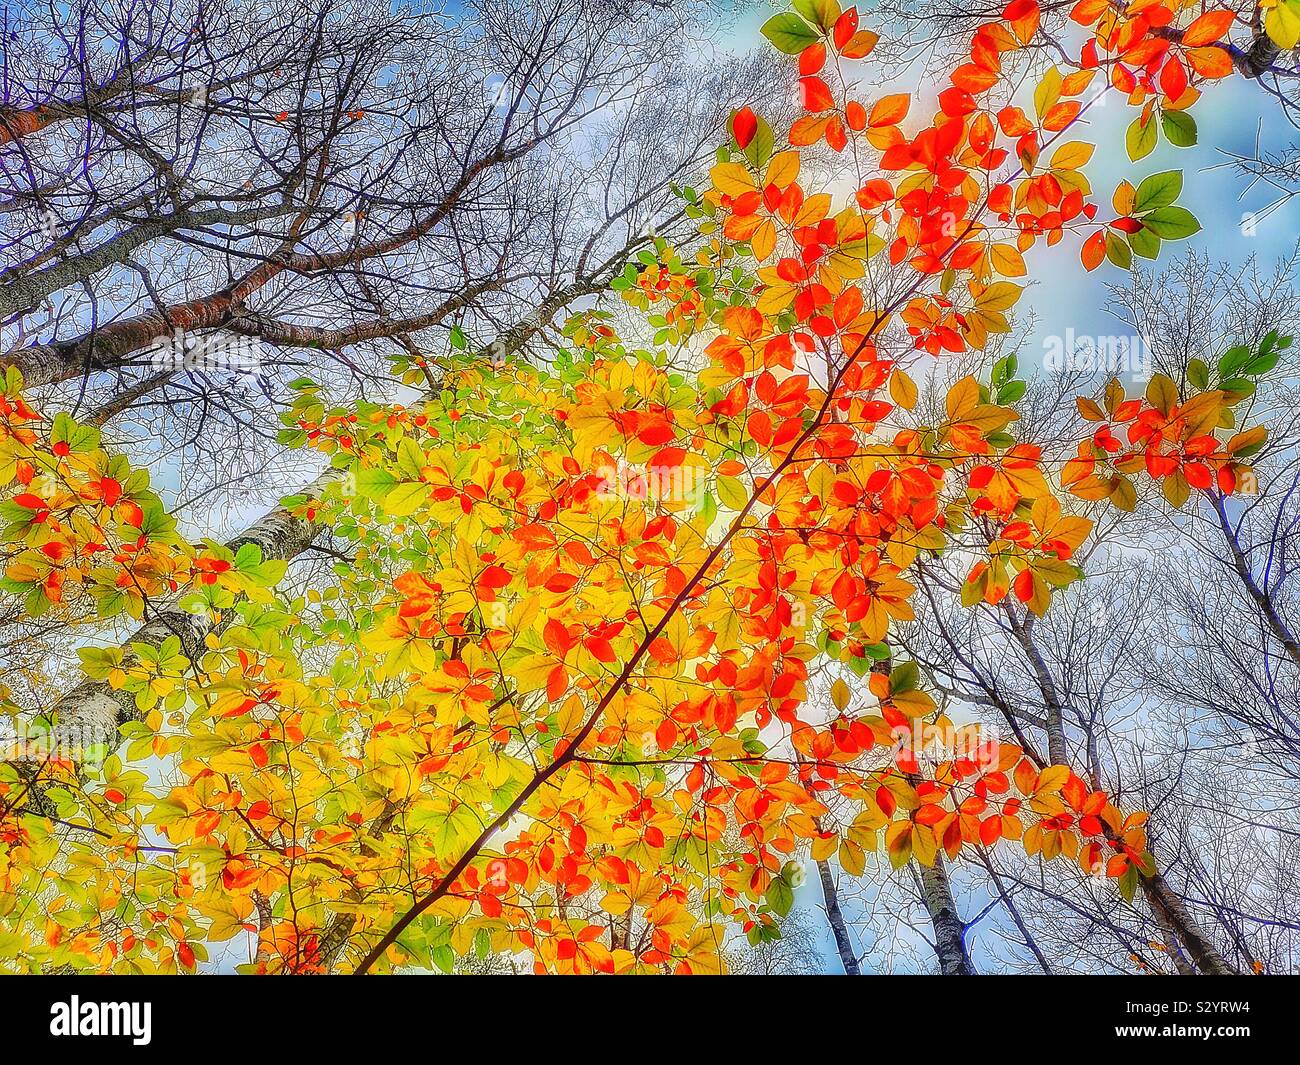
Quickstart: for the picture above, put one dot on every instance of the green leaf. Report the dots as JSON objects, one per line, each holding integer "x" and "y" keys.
{"x": 780, "y": 896}
{"x": 1172, "y": 223}
{"x": 1140, "y": 140}
{"x": 410, "y": 459}
{"x": 1011, "y": 391}
{"x": 789, "y": 33}
{"x": 1233, "y": 360}
{"x": 1128, "y": 883}
{"x": 406, "y": 498}
{"x": 1179, "y": 127}
{"x": 247, "y": 557}
{"x": 374, "y": 482}
{"x": 1118, "y": 252}
{"x": 1145, "y": 243}
{"x": 821, "y": 13}
{"x": 79, "y": 438}
{"x": 1261, "y": 364}
{"x": 1198, "y": 374}
{"x": 904, "y": 677}
{"x": 1159, "y": 190}
{"x": 1238, "y": 388}
{"x": 759, "y": 150}
{"x": 707, "y": 509}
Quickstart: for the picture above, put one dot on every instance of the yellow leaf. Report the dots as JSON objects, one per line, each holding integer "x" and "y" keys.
{"x": 1071, "y": 156}
{"x": 823, "y": 847}
{"x": 998, "y": 297}
{"x": 775, "y": 299}
{"x": 962, "y": 398}
{"x": 1048, "y": 91}
{"x": 840, "y": 694}
{"x": 1051, "y": 779}
{"x": 616, "y": 903}
{"x": 783, "y": 170}
{"x": 732, "y": 179}
{"x": 914, "y": 703}
{"x": 1162, "y": 393}
{"x": 1124, "y": 198}
{"x": 924, "y": 844}
{"x": 814, "y": 209}
{"x": 1007, "y": 261}
{"x": 732, "y": 494}
{"x": 898, "y": 842}
{"x": 902, "y": 389}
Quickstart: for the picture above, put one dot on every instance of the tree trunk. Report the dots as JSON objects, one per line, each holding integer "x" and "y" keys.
{"x": 840, "y": 930}
{"x": 1054, "y": 710}
{"x": 1171, "y": 912}
{"x": 949, "y": 932}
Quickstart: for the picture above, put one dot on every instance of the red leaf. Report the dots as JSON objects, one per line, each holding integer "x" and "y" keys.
{"x": 1024, "y": 585}
{"x": 1198, "y": 475}
{"x": 601, "y": 649}
{"x": 744, "y": 124}
{"x": 816, "y": 95}
{"x": 557, "y": 684}
{"x": 845, "y": 27}
{"x": 812, "y": 59}
{"x": 1173, "y": 79}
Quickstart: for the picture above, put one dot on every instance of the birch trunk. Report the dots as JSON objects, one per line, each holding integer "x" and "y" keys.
{"x": 839, "y": 929}
{"x": 949, "y": 932}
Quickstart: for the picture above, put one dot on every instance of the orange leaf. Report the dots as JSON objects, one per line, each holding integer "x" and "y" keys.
{"x": 1210, "y": 62}
{"x": 860, "y": 45}
{"x": 889, "y": 111}
{"x": 812, "y": 59}
{"x": 1093, "y": 251}
{"x": 1207, "y": 29}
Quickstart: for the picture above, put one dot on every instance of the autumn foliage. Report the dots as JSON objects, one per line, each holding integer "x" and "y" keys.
{"x": 612, "y": 656}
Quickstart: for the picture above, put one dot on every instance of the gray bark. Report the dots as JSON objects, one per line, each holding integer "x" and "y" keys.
{"x": 949, "y": 931}
{"x": 839, "y": 929}
{"x": 1054, "y": 723}
{"x": 1171, "y": 912}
